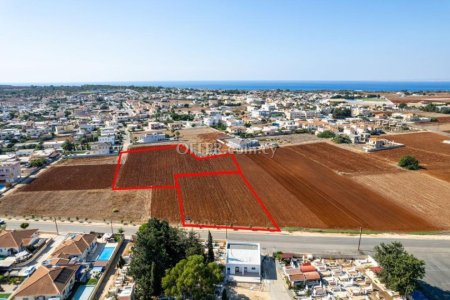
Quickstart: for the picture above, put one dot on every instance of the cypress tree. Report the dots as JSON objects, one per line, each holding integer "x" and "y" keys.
{"x": 210, "y": 257}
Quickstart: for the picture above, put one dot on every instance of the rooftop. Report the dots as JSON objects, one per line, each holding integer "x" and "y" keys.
{"x": 243, "y": 253}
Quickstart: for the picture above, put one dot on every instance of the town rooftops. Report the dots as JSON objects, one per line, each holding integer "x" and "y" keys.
{"x": 47, "y": 281}
{"x": 243, "y": 253}
{"x": 74, "y": 246}
{"x": 16, "y": 238}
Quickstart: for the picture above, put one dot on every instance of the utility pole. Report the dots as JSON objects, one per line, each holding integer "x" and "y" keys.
{"x": 112, "y": 231}
{"x": 56, "y": 225}
{"x": 360, "y": 235}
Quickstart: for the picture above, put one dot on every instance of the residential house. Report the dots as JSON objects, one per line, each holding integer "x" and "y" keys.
{"x": 98, "y": 148}
{"x": 152, "y": 137}
{"x": 15, "y": 241}
{"x": 77, "y": 246}
{"x": 9, "y": 170}
{"x": 243, "y": 261}
{"x": 238, "y": 143}
{"x": 48, "y": 283}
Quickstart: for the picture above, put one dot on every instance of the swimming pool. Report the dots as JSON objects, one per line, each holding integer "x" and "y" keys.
{"x": 83, "y": 292}
{"x": 106, "y": 254}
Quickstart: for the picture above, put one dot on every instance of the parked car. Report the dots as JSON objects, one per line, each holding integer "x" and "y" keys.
{"x": 2, "y": 222}
{"x": 30, "y": 270}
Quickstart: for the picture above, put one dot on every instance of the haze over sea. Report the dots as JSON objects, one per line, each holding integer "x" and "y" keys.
{"x": 370, "y": 86}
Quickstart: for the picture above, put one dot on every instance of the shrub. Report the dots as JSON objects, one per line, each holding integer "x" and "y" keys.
{"x": 39, "y": 162}
{"x": 327, "y": 134}
{"x": 409, "y": 162}
{"x": 342, "y": 139}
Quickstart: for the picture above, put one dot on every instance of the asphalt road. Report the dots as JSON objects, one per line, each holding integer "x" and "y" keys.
{"x": 434, "y": 250}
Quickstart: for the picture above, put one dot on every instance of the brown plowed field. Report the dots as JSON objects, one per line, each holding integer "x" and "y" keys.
{"x": 165, "y": 205}
{"x": 91, "y": 204}
{"x": 427, "y": 147}
{"x": 312, "y": 186}
{"x": 428, "y": 160}
{"x": 159, "y": 166}
{"x": 426, "y": 141}
{"x": 77, "y": 177}
{"x": 341, "y": 160}
{"x": 426, "y": 195}
{"x": 337, "y": 201}
{"x": 221, "y": 200}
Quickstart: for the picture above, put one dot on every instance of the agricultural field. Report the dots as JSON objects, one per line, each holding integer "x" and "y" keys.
{"x": 222, "y": 200}
{"x": 430, "y": 97}
{"x": 158, "y": 167}
{"x": 98, "y": 205}
{"x": 424, "y": 194}
{"x": 73, "y": 177}
{"x": 341, "y": 160}
{"x": 77, "y": 188}
{"x": 427, "y": 147}
{"x": 300, "y": 192}
{"x": 314, "y": 185}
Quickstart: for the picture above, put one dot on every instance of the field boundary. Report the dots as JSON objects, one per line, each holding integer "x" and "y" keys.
{"x": 176, "y": 186}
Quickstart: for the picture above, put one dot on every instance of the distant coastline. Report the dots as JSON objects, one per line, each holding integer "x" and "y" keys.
{"x": 369, "y": 86}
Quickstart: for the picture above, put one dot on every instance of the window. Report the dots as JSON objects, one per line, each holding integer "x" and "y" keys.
{"x": 253, "y": 268}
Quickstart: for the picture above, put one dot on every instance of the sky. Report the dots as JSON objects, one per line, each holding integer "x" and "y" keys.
{"x": 189, "y": 40}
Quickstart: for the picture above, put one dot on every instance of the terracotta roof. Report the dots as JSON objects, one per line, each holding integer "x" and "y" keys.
{"x": 287, "y": 255}
{"x": 307, "y": 268}
{"x": 376, "y": 270}
{"x": 292, "y": 271}
{"x": 46, "y": 281}
{"x": 58, "y": 261}
{"x": 311, "y": 276}
{"x": 74, "y": 246}
{"x": 297, "y": 277}
{"x": 16, "y": 238}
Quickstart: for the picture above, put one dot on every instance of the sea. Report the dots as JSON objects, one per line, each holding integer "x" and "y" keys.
{"x": 369, "y": 86}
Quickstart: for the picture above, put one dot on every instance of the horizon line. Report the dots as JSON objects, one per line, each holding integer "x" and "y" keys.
{"x": 114, "y": 82}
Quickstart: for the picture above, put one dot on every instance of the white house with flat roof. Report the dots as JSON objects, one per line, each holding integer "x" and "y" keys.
{"x": 243, "y": 261}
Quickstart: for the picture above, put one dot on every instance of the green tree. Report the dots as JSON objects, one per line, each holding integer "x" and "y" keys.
{"x": 400, "y": 270}
{"x": 68, "y": 146}
{"x": 210, "y": 256}
{"x": 158, "y": 247}
{"x": 38, "y": 162}
{"x": 24, "y": 225}
{"x": 341, "y": 113}
{"x": 39, "y": 146}
{"x": 192, "y": 244}
{"x": 409, "y": 162}
{"x": 342, "y": 139}
{"x": 326, "y": 134}
{"x": 402, "y": 105}
{"x": 192, "y": 278}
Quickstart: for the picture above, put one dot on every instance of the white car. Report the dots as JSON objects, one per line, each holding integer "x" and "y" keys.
{"x": 2, "y": 222}
{"x": 30, "y": 270}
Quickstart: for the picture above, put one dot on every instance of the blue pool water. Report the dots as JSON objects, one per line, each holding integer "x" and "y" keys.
{"x": 106, "y": 254}
{"x": 83, "y": 292}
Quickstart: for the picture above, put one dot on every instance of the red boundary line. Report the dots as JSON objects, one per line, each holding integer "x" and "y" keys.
{"x": 238, "y": 171}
